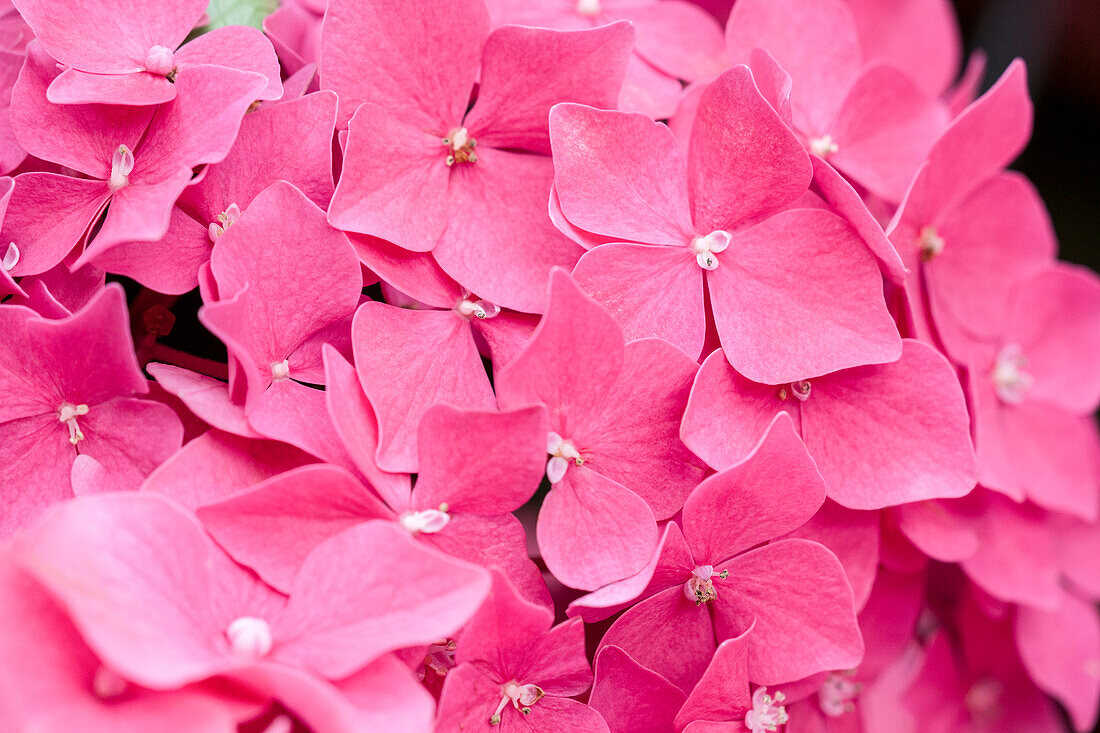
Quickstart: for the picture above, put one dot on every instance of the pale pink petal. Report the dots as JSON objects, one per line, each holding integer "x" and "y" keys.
{"x": 936, "y": 530}
{"x": 138, "y": 88}
{"x": 631, "y": 697}
{"x": 416, "y": 58}
{"x": 619, "y": 175}
{"x": 205, "y": 396}
{"x": 650, "y": 290}
{"x": 526, "y": 71}
{"x": 130, "y": 438}
{"x": 773, "y": 491}
{"x": 592, "y": 531}
{"x": 649, "y": 91}
{"x": 679, "y": 38}
{"x": 409, "y": 360}
{"x": 237, "y": 47}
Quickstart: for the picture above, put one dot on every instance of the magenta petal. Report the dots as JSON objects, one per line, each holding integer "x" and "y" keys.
{"x": 667, "y": 634}
{"x": 826, "y": 300}
{"x": 526, "y": 71}
{"x": 593, "y": 531}
{"x": 406, "y": 56}
{"x": 802, "y": 605}
{"x": 636, "y": 192}
{"x": 773, "y": 491}
{"x": 343, "y": 614}
{"x": 723, "y": 691}
{"x": 651, "y": 291}
{"x": 408, "y": 361}
{"x": 1061, "y": 651}
{"x": 216, "y": 464}
{"x": 500, "y": 243}
{"x": 631, "y": 697}
{"x": 871, "y": 447}
{"x": 734, "y": 179}
{"x": 395, "y": 180}
{"x": 480, "y": 462}
{"x": 273, "y": 526}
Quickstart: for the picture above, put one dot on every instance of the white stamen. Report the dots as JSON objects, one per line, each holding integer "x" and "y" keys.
{"x": 11, "y": 257}
{"x": 67, "y": 415}
{"x": 823, "y": 146}
{"x": 767, "y": 713}
{"x": 699, "y": 588}
{"x": 225, "y": 220}
{"x": 837, "y": 693}
{"x": 426, "y": 521}
{"x": 249, "y": 637}
{"x": 461, "y": 147}
{"x": 562, "y": 453}
{"x": 122, "y": 164}
{"x": 930, "y": 242}
{"x": 705, "y": 248}
{"x": 159, "y": 60}
{"x": 1010, "y": 380}
{"x": 106, "y": 684}
{"x": 588, "y": 7}
{"x": 522, "y": 698}
{"x": 280, "y": 369}
{"x": 480, "y": 309}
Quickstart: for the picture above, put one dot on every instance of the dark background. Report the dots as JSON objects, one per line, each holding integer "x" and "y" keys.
{"x": 1060, "y": 40}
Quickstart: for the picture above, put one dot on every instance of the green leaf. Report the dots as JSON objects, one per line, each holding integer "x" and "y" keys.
{"x": 239, "y": 12}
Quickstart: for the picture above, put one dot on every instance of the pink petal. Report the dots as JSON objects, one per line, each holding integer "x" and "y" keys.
{"x": 520, "y": 83}
{"x": 642, "y": 451}
{"x": 619, "y": 175}
{"x": 503, "y": 630}
{"x": 727, "y": 415}
{"x": 216, "y": 464}
{"x": 480, "y": 462}
{"x": 169, "y": 265}
{"x": 205, "y": 396}
{"x": 826, "y": 300}
{"x": 723, "y": 691}
{"x": 870, "y": 446}
{"x": 648, "y": 91}
{"x": 558, "y": 660}
{"x": 631, "y": 697}
{"x": 35, "y": 469}
{"x": 273, "y": 526}
{"x": 734, "y": 179}
{"x": 104, "y": 38}
{"x": 342, "y": 613}
{"x": 651, "y": 291}
{"x": 409, "y": 360}
{"x": 417, "y": 58}
{"x": 500, "y": 243}
{"x": 814, "y": 41}
{"x": 889, "y": 620}
{"x": 138, "y": 213}
{"x": 679, "y": 38}
{"x": 668, "y": 635}
{"x": 469, "y": 699}
{"x": 592, "y": 531}
{"x": 130, "y": 438}
{"x": 414, "y": 274}
{"x": 773, "y": 491}
{"x": 236, "y": 47}
{"x": 802, "y": 605}
{"x": 854, "y": 538}
{"x": 138, "y": 88}
{"x": 89, "y": 476}
{"x": 936, "y": 530}
{"x": 1061, "y": 651}
{"x": 395, "y": 180}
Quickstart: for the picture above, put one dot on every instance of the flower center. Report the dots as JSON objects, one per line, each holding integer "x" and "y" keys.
{"x": 931, "y": 244}
{"x": 522, "y": 698}
{"x": 159, "y": 61}
{"x": 699, "y": 589}
{"x": 122, "y": 164}
{"x": 280, "y": 369}
{"x": 249, "y": 637}
{"x": 440, "y": 658}
{"x": 460, "y": 147}
{"x": 106, "y": 684}
{"x": 590, "y": 8}
{"x": 836, "y": 695}
{"x": 1010, "y": 380}
{"x": 799, "y": 390}
{"x": 426, "y": 521}
{"x": 823, "y": 146}
{"x": 67, "y": 415}
{"x": 706, "y": 248}
{"x": 225, "y": 220}
{"x": 11, "y": 258}
{"x": 767, "y": 713}
{"x": 472, "y": 308}
{"x": 562, "y": 452}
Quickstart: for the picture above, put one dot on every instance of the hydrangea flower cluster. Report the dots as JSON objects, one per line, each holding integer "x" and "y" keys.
{"x": 588, "y": 366}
